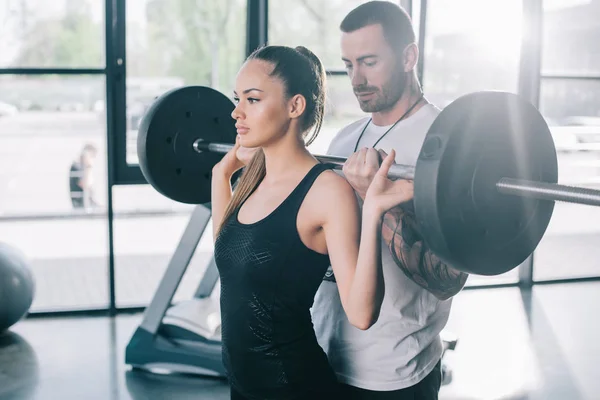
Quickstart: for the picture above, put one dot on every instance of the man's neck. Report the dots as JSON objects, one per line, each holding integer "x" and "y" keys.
{"x": 408, "y": 99}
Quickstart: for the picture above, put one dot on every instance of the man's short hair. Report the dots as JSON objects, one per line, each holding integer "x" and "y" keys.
{"x": 395, "y": 21}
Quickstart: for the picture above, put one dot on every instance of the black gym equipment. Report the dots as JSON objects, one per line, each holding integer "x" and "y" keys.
{"x": 485, "y": 179}
{"x": 165, "y": 148}
{"x": 185, "y": 337}
{"x": 17, "y": 286}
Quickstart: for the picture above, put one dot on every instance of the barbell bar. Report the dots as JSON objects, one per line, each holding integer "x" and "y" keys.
{"x": 485, "y": 179}
{"x": 510, "y": 186}
{"x": 396, "y": 170}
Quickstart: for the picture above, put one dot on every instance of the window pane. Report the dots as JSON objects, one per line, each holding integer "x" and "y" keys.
{"x": 145, "y": 238}
{"x": 571, "y": 102}
{"x": 172, "y": 43}
{"x": 570, "y": 247}
{"x": 570, "y": 41}
{"x": 416, "y": 17}
{"x": 311, "y": 23}
{"x": 160, "y": 56}
{"x": 45, "y": 122}
{"x": 40, "y": 33}
{"x": 469, "y": 48}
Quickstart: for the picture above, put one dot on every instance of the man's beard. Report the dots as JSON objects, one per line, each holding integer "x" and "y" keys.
{"x": 385, "y": 97}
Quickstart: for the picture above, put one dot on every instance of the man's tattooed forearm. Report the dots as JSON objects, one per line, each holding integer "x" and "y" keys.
{"x": 417, "y": 261}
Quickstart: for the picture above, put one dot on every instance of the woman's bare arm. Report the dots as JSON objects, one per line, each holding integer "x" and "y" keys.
{"x": 354, "y": 248}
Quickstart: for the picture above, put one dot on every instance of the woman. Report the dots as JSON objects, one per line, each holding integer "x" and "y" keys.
{"x": 289, "y": 218}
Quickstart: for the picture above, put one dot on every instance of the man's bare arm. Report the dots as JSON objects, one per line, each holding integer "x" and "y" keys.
{"x": 410, "y": 252}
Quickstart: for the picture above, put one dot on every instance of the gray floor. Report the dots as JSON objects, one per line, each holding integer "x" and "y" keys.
{"x": 512, "y": 345}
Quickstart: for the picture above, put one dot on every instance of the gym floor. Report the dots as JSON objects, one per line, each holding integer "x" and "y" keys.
{"x": 513, "y": 344}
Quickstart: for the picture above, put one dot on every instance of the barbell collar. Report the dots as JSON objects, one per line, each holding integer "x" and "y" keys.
{"x": 397, "y": 171}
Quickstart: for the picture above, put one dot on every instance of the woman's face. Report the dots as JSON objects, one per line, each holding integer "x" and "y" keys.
{"x": 261, "y": 112}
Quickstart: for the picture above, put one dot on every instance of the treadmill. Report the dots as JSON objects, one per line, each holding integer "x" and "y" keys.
{"x": 185, "y": 337}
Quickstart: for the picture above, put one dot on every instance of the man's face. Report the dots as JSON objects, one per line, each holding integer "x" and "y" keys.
{"x": 376, "y": 71}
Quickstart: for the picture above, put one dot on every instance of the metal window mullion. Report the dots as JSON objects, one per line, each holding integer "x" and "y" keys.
{"x": 421, "y": 44}
{"x": 529, "y": 82}
{"x": 257, "y": 24}
{"x": 115, "y": 94}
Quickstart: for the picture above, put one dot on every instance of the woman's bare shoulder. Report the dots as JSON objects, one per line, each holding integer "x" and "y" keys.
{"x": 331, "y": 198}
{"x": 333, "y": 188}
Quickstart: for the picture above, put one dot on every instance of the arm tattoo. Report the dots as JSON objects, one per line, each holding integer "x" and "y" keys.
{"x": 415, "y": 259}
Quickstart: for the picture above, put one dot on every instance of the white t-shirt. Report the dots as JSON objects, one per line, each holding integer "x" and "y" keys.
{"x": 404, "y": 345}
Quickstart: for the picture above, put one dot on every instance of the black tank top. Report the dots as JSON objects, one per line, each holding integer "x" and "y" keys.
{"x": 269, "y": 279}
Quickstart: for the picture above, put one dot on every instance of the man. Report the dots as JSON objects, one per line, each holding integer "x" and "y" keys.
{"x": 81, "y": 179}
{"x": 399, "y": 356}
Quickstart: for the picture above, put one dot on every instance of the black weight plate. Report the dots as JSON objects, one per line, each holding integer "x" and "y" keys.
{"x": 473, "y": 143}
{"x": 166, "y": 136}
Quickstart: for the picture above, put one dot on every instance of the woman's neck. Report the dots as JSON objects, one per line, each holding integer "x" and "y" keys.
{"x": 286, "y": 158}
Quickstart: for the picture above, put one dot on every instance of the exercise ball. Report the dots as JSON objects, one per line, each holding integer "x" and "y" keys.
{"x": 16, "y": 286}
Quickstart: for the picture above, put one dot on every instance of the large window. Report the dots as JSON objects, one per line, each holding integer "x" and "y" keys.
{"x": 145, "y": 239}
{"x": 61, "y": 81}
{"x": 472, "y": 45}
{"x": 174, "y": 43}
{"x": 45, "y": 123}
{"x": 311, "y": 23}
{"x": 315, "y": 25}
{"x": 40, "y": 33}
{"x": 570, "y": 44}
{"x": 169, "y": 44}
{"x": 570, "y": 101}
{"x": 52, "y": 91}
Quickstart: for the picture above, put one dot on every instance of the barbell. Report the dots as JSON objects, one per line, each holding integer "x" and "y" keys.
{"x": 485, "y": 180}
